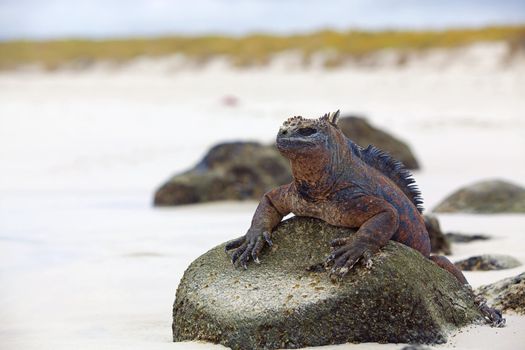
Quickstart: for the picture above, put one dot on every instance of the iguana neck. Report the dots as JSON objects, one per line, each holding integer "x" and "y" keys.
{"x": 316, "y": 177}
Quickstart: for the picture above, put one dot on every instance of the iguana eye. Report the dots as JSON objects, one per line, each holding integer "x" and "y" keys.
{"x": 306, "y": 131}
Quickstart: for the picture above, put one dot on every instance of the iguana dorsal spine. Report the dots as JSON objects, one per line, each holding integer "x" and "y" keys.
{"x": 393, "y": 169}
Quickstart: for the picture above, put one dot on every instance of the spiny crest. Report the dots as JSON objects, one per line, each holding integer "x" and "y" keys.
{"x": 332, "y": 118}
{"x": 394, "y": 169}
{"x": 293, "y": 120}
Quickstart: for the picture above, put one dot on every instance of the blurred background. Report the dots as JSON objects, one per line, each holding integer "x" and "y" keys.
{"x": 102, "y": 102}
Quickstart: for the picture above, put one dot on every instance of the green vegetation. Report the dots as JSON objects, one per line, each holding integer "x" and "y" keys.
{"x": 248, "y": 50}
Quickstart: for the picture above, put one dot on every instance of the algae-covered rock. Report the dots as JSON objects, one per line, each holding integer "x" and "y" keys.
{"x": 229, "y": 171}
{"x": 508, "y": 295}
{"x": 487, "y": 262}
{"x": 492, "y": 196}
{"x": 403, "y": 297}
{"x": 360, "y": 131}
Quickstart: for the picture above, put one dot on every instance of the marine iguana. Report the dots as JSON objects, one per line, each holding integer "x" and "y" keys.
{"x": 345, "y": 185}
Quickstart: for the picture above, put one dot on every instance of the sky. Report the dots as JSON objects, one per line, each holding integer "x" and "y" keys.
{"x": 48, "y": 19}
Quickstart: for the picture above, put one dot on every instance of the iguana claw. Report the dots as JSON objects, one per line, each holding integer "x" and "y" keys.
{"x": 248, "y": 247}
{"x": 344, "y": 257}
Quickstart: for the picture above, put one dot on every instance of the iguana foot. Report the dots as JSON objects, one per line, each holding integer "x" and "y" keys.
{"x": 346, "y": 253}
{"x": 248, "y": 247}
{"x": 491, "y": 315}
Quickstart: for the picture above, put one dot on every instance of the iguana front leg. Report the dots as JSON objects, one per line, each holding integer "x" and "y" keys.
{"x": 272, "y": 208}
{"x": 377, "y": 220}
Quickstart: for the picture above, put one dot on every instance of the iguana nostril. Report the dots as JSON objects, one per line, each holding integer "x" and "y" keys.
{"x": 283, "y": 132}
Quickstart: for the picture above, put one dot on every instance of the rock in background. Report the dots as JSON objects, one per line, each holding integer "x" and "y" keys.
{"x": 488, "y": 263}
{"x": 439, "y": 242}
{"x": 359, "y": 130}
{"x": 491, "y": 196}
{"x": 402, "y": 298}
{"x": 230, "y": 171}
{"x": 246, "y": 170}
{"x": 456, "y": 237}
{"x": 508, "y": 295}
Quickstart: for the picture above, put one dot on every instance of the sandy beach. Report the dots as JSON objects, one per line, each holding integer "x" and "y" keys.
{"x": 87, "y": 262}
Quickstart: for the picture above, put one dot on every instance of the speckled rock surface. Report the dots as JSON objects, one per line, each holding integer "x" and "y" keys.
{"x": 439, "y": 243}
{"x": 403, "y": 297}
{"x": 488, "y": 262}
{"x": 363, "y": 133}
{"x": 508, "y": 295}
{"x": 493, "y": 196}
{"x": 229, "y": 171}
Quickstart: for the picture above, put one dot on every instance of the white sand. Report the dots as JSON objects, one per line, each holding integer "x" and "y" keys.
{"x": 86, "y": 262}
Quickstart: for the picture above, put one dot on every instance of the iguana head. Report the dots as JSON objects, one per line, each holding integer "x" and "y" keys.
{"x": 313, "y": 138}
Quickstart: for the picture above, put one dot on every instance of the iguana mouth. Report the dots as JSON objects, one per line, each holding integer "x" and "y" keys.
{"x": 293, "y": 141}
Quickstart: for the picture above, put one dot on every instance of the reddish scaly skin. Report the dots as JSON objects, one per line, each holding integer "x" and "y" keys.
{"x": 332, "y": 184}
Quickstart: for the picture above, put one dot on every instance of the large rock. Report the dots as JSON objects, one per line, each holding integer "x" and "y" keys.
{"x": 230, "y": 171}
{"x": 487, "y": 262}
{"x": 403, "y": 297}
{"x": 363, "y": 133}
{"x": 508, "y": 295}
{"x": 492, "y": 196}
